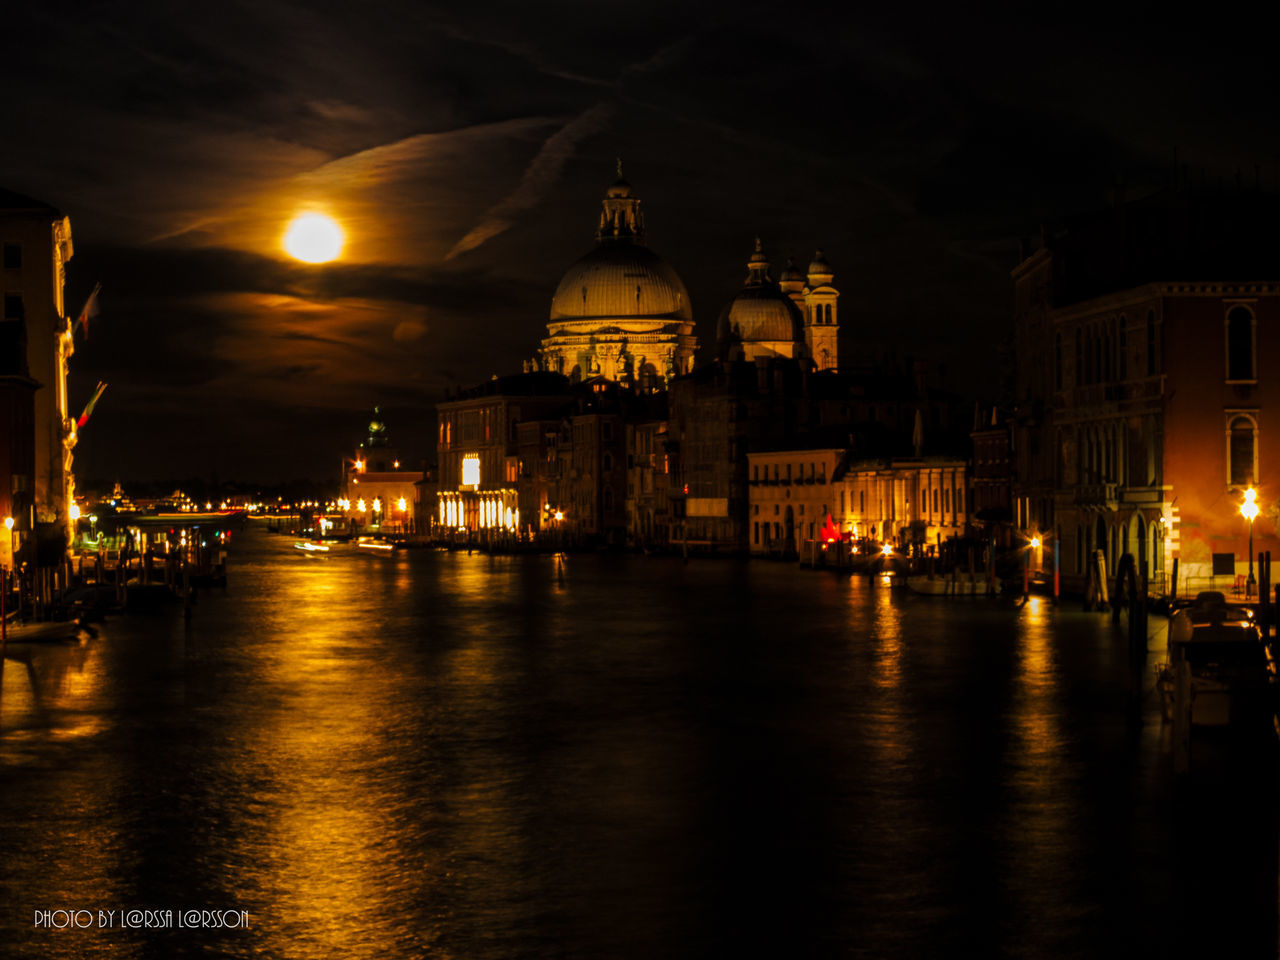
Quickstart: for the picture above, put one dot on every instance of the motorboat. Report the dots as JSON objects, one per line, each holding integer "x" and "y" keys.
{"x": 308, "y": 546}
{"x": 1230, "y": 671}
{"x": 961, "y": 585}
{"x": 375, "y": 544}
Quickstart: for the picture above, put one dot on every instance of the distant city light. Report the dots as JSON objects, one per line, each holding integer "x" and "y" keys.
{"x": 887, "y": 550}
{"x": 74, "y": 511}
{"x": 401, "y": 505}
{"x": 1035, "y": 541}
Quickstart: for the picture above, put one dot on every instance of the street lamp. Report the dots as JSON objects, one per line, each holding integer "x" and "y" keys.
{"x": 1249, "y": 510}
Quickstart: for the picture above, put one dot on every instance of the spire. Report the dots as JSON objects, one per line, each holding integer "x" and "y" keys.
{"x": 757, "y": 266}
{"x": 620, "y": 217}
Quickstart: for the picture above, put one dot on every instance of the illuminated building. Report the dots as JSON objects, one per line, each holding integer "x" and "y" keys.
{"x": 620, "y": 312}
{"x": 790, "y": 495}
{"x": 377, "y": 493}
{"x": 1145, "y": 407}
{"x": 915, "y": 503}
{"x": 909, "y": 501}
{"x": 35, "y": 245}
{"x": 477, "y": 449}
{"x": 785, "y": 319}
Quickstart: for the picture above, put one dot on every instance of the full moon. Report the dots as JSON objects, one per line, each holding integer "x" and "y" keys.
{"x": 313, "y": 238}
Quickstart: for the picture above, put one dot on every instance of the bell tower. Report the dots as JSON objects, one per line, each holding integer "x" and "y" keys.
{"x": 821, "y": 321}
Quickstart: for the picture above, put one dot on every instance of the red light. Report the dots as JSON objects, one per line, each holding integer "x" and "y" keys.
{"x": 686, "y": 488}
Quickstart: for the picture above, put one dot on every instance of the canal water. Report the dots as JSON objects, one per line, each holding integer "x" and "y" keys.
{"x": 448, "y": 755}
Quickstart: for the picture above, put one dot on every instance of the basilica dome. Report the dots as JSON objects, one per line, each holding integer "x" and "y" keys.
{"x": 620, "y": 312}
{"x": 621, "y": 280}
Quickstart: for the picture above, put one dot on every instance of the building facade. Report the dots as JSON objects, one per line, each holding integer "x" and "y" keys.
{"x": 478, "y": 449}
{"x": 378, "y": 494}
{"x": 1145, "y": 401}
{"x": 790, "y": 496}
{"x": 35, "y": 246}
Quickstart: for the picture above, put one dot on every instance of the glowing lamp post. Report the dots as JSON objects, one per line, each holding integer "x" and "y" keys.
{"x": 1249, "y": 510}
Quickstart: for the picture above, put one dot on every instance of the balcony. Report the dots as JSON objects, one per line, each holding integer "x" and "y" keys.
{"x": 1097, "y": 495}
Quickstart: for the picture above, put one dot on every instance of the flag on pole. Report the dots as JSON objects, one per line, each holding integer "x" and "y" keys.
{"x": 89, "y": 310}
{"x": 88, "y": 407}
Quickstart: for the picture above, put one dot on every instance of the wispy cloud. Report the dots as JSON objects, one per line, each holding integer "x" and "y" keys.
{"x": 537, "y": 180}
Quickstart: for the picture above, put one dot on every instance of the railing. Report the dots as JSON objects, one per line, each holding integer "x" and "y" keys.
{"x": 1098, "y": 494}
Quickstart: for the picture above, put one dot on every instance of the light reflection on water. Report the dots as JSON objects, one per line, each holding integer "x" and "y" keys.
{"x": 454, "y": 755}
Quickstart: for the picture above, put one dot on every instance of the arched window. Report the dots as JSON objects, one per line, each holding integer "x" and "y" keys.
{"x": 1057, "y": 367}
{"x": 1242, "y": 444}
{"x": 1079, "y": 379}
{"x": 1240, "y": 345}
{"x": 608, "y": 499}
{"x": 608, "y": 461}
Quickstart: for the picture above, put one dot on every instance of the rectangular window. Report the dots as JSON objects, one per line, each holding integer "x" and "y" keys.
{"x": 757, "y": 533}
{"x": 13, "y": 256}
{"x": 13, "y": 309}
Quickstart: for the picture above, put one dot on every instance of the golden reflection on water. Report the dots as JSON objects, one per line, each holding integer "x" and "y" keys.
{"x": 51, "y": 690}
{"x": 321, "y": 841}
{"x": 1043, "y": 822}
{"x": 886, "y": 630}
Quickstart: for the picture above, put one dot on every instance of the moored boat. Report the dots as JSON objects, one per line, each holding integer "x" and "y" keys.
{"x": 1229, "y": 673}
{"x": 961, "y": 585}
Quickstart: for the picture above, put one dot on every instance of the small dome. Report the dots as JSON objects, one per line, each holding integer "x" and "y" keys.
{"x": 820, "y": 271}
{"x": 761, "y": 313}
{"x": 619, "y": 189}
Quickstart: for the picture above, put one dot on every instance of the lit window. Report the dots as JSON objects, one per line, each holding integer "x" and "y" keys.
{"x": 471, "y": 471}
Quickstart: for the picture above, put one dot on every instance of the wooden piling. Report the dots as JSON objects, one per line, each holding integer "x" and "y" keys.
{"x": 1182, "y": 717}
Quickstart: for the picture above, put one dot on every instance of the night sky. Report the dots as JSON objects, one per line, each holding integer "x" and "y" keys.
{"x": 464, "y": 148}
